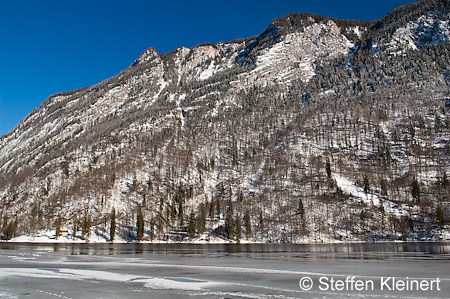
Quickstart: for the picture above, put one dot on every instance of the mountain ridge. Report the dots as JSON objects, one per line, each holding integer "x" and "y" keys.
{"x": 302, "y": 16}
{"x": 267, "y": 137}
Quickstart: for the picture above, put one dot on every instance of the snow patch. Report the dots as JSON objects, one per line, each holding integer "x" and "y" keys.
{"x": 178, "y": 284}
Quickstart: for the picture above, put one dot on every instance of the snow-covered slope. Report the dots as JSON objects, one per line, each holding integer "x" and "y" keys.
{"x": 264, "y": 139}
{"x": 294, "y": 57}
{"x": 429, "y": 29}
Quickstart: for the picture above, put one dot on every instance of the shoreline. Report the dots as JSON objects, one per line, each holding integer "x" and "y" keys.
{"x": 221, "y": 243}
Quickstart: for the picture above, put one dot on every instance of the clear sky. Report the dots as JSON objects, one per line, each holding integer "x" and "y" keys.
{"x": 48, "y": 46}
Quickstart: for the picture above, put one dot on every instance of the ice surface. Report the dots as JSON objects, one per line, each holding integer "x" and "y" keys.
{"x": 237, "y": 271}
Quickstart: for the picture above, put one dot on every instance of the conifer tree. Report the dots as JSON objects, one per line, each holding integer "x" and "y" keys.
{"x": 112, "y": 228}
{"x": 238, "y": 229}
{"x": 5, "y": 225}
{"x": 229, "y": 222}
{"x": 140, "y": 224}
{"x": 366, "y": 185}
{"x": 86, "y": 227}
{"x": 247, "y": 224}
{"x": 212, "y": 207}
{"x": 201, "y": 220}
{"x": 180, "y": 212}
{"x": 261, "y": 221}
{"x": 415, "y": 189}
{"x": 383, "y": 187}
{"x": 11, "y": 230}
{"x": 191, "y": 226}
{"x": 328, "y": 168}
{"x": 444, "y": 181}
{"x": 152, "y": 229}
{"x": 301, "y": 209}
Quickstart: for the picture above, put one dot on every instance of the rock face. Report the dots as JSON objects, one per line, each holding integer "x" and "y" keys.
{"x": 426, "y": 30}
{"x": 316, "y": 130}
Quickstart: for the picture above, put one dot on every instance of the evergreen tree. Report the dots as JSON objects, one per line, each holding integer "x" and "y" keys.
{"x": 217, "y": 210}
{"x": 212, "y": 209}
{"x": 201, "y": 220}
{"x": 247, "y": 224}
{"x": 229, "y": 222}
{"x": 238, "y": 229}
{"x": 301, "y": 209}
{"x": 11, "y": 230}
{"x": 261, "y": 221}
{"x": 112, "y": 227}
{"x": 5, "y": 226}
{"x": 140, "y": 224}
{"x": 180, "y": 212}
{"x": 415, "y": 189}
{"x": 152, "y": 229}
{"x": 191, "y": 226}
{"x": 366, "y": 184}
{"x": 240, "y": 196}
{"x": 383, "y": 186}
{"x": 86, "y": 227}
{"x": 445, "y": 181}
{"x": 328, "y": 168}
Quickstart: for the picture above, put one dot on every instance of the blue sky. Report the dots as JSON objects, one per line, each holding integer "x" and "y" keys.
{"x": 49, "y": 46}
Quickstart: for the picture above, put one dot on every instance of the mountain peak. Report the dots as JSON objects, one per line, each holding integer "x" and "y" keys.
{"x": 148, "y": 55}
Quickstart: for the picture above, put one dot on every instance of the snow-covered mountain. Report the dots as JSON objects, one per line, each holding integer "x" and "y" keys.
{"x": 317, "y": 129}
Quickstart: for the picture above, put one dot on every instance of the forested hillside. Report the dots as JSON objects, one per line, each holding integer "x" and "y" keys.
{"x": 316, "y": 130}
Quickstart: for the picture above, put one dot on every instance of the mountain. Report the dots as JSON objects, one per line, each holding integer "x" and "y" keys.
{"x": 317, "y": 129}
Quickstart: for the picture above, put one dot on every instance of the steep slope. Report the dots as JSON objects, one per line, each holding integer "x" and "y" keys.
{"x": 316, "y": 130}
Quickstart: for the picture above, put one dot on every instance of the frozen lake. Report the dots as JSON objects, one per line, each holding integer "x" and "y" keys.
{"x": 388, "y": 270}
